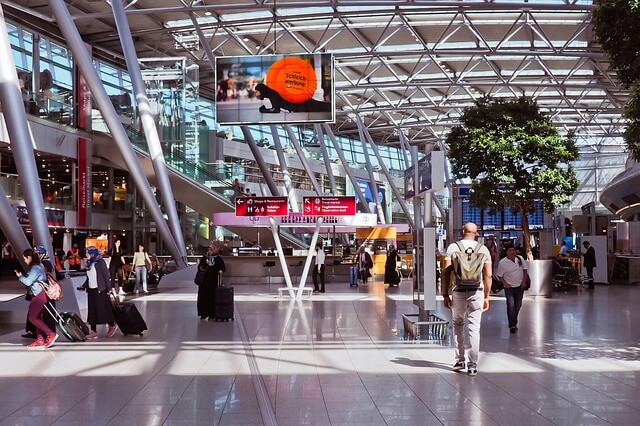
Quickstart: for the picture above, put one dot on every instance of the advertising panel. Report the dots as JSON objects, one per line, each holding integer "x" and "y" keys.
{"x": 371, "y": 199}
{"x": 409, "y": 183}
{"x": 275, "y": 89}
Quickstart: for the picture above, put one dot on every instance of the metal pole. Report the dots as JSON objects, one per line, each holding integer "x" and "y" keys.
{"x": 325, "y": 156}
{"x": 203, "y": 41}
{"x": 307, "y": 263}
{"x": 149, "y": 125}
{"x": 283, "y": 260}
{"x": 417, "y": 213}
{"x": 85, "y": 63}
{"x": 394, "y": 188}
{"x": 404, "y": 144}
{"x": 12, "y": 228}
{"x": 347, "y": 169}
{"x": 303, "y": 160}
{"x": 262, "y": 165}
{"x": 373, "y": 185}
{"x": 21, "y": 143}
{"x": 291, "y": 194}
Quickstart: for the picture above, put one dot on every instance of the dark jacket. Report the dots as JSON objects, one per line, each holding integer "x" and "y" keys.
{"x": 116, "y": 258}
{"x": 589, "y": 258}
{"x": 390, "y": 267}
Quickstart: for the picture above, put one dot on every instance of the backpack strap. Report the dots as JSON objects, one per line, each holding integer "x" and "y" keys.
{"x": 460, "y": 246}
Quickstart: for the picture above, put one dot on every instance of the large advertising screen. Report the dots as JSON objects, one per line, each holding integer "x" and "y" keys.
{"x": 274, "y": 89}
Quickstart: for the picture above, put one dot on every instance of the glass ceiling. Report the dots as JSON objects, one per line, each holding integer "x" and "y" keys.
{"x": 407, "y": 67}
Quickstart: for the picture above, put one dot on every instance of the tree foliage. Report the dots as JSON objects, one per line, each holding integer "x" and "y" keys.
{"x": 616, "y": 25}
{"x": 514, "y": 156}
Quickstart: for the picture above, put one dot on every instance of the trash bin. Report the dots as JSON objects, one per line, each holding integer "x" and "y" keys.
{"x": 541, "y": 273}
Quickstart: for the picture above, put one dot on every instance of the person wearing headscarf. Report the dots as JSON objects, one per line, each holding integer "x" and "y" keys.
{"x": 214, "y": 267}
{"x": 98, "y": 293}
{"x": 391, "y": 275}
{"x": 34, "y": 275}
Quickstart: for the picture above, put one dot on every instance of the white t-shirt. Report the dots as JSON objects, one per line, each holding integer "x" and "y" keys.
{"x": 92, "y": 277}
{"x": 512, "y": 272}
{"x": 320, "y": 257}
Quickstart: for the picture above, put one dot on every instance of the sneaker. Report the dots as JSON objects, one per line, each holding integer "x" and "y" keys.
{"x": 146, "y": 292}
{"x": 29, "y": 335}
{"x": 38, "y": 345}
{"x": 458, "y": 366}
{"x": 50, "y": 340}
{"x": 111, "y": 330}
{"x": 121, "y": 293}
{"x": 472, "y": 371}
{"x": 92, "y": 335}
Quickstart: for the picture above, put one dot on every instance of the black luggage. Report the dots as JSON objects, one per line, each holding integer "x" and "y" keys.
{"x": 128, "y": 317}
{"x": 69, "y": 323}
{"x": 223, "y": 309}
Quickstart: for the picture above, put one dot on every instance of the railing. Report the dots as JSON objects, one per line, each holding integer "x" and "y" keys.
{"x": 48, "y": 108}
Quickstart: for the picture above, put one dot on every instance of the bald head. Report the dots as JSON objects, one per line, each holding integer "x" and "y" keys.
{"x": 469, "y": 231}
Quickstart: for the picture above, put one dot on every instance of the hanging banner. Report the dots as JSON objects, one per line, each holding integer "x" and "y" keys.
{"x": 82, "y": 97}
{"x": 262, "y": 206}
{"x": 275, "y": 89}
{"x": 85, "y": 184}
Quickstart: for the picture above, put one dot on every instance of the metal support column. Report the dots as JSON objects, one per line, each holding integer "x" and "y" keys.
{"x": 404, "y": 147}
{"x": 394, "y": 188}
{"x": 307, "y": 263}
{"x": 148, "y": 124}
{"x": 291, "y": 194}
{"x": 325, "y": 156}
{"x": 85, "y": 63}
{"x": 21, "y": 144}
{"x": 12, "y": 228}
{"x": 417, "y": 212}
{"x": 303, "y": 159}
{"x": 262, "y": 165}
{"x": 373, "y": 185}
{"x": 281, "y": 258}
{"x": 347, "y": 169}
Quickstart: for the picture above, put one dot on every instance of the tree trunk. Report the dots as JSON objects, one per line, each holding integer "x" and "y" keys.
{"x": 526, "y": 233}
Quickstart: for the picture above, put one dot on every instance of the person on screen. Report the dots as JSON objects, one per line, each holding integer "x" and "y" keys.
{"x": 278, "y": 103}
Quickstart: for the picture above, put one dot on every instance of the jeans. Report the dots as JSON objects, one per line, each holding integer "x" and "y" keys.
{"x": 514, "y": 303}
{"x": 467, "y": 305}
{"x": 314, "y": 276}
{"x": 141, "y": 274}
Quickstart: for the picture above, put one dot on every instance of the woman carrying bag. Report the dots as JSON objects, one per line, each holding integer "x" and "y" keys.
{"x": 34, "y": 277}
{"x": 99, "y": 309}
{"x": 391, "y": 275}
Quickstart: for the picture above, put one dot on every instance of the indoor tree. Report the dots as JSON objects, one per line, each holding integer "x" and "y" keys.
{"x": 514, "y": 155}
{"x": 616, "y": 25}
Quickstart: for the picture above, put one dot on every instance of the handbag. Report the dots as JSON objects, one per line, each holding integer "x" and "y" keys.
{"x": 147, "y": 263}
{"x": 51, "y": 288}
{"x": 199, "y": 279}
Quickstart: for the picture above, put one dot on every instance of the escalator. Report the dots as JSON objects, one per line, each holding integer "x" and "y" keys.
{"x": 194, "y": 184}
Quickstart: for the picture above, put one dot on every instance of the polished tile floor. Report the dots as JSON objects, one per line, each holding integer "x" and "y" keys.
{"x": 331, "y": 360}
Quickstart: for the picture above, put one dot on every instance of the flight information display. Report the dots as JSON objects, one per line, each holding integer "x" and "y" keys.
{"x": 491, "y": 222}
{"x": 512, "y": 221}
{"x": 470, "y": 214}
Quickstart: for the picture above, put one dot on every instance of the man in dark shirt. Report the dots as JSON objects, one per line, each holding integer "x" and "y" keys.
{"x": 589, "y": 262}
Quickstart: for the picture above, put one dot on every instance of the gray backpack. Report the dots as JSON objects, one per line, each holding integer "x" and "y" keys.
{"x": 468, "y": 265}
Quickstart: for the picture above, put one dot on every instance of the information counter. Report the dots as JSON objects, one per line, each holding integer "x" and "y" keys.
{"x": 267, "y": 270}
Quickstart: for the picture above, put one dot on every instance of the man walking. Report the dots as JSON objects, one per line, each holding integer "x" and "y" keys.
{"x": 469, "y": 296}
{"x": 512, "y": 273}
{"x": 589, "y": 262}
{"x": 318, "y": 269}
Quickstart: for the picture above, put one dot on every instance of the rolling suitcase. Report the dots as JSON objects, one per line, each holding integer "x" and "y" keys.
{"x": 128, "y": 317}
{"x": 223, "y": 309}
{"x": 69, "y": 323}
{"x": 353, "y": 276}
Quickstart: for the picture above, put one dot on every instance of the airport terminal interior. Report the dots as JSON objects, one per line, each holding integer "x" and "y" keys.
{"x": 262, "y": 130}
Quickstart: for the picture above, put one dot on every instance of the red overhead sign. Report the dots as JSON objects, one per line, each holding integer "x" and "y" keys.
{"x": 262, "y": 206}
{"x": 329, "y": 206}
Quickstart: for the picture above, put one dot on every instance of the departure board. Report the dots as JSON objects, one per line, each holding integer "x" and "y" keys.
{"x": 470, "y": 214}
{"x": 490, "y": 221}
{"x": 512, "y": 221}
{"x": 536, "y": 219}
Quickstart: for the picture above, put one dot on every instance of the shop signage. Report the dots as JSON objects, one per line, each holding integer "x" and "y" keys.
{"x": 333, "y": 206}
{"x": 261, "y": 206}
